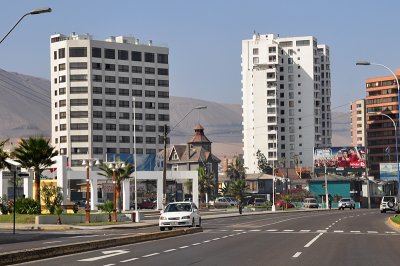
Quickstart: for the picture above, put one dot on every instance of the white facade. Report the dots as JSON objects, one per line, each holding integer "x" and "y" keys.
{"x": 358, "y": 123}
{"x": 94, "y": 87}
{"x": 286, "y": 99}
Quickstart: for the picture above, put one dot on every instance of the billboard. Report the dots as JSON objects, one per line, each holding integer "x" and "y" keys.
{"x": 339, "y": 159}
{"x": 145, "y": 162}
{"x": 388, "y": 171}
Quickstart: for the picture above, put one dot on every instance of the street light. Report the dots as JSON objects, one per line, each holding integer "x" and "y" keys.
{"x": 166, "y": 132}
{"x": 33, "y": 12}
{"x": 134, "y": 149}
{"x": 366, "y": 63}
{"x": 88, "y": 163}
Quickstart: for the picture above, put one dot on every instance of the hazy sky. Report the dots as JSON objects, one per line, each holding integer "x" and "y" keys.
{"x": 204, "y": 37}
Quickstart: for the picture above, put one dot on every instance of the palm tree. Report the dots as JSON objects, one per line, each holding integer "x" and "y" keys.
{"x": 206, "y": 182}
{"x": 122, "y": 171}
{"x": 4, "y": 155}
{"x": 236, "y": 170}
{"x": 238, "y": 188}
{"x": 36, "y": 153}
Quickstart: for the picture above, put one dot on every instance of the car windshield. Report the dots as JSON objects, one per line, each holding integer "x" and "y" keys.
{"x": 388, "y": 199}
{"x": 178, "y": 207}
{"x": 312, "y": 200}
{"x": 345, "y": 200}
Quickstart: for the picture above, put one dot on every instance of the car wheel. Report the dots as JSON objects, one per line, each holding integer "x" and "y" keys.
{"x": 199, "y": 225}
{"x": 384, "y": 211}
{"x": 162, "y": 228}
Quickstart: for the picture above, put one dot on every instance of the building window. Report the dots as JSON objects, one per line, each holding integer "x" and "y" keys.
{"x": 62, "y": 79}
{"x": 77, "y": 52}
{"x": 79, "y": 114}
{"x": 123, "y": 68}
{"x": 110, "y": 91}
{"x": 79, "y": 102}
{"x": 109, "y": 79}
{"x": 123, "y": 80}
{"x": 124, "y": 150}
{"x": 136, "y": 81}
{"x": 137, "y": 93}
{"x": 139, "y": 139}
{"x": 123, "y": 127}
{"x": 63, "y": 115}
{"x": 255, "y": 51}
{"x": 97, "y": 138}
{"x": 162, "y": 58}
{"x": 109, "y": 53}
{"x": 77, "y": 78}
{"x": 61, "y": 67}
{"x": 61, "y": 53}
{"x": 163, "y": 106}
{"x": 149, "y": 70}
{"x": 78, "y": 90}
{"x": 149, "y": 57}
{"x": 151, "y": 117}
{"x": 96, "y": 52}
{"x": 63, "y": 127}
{"x": 97, "y": 114}
{"x": 63, "y": 139}
{"x": 150, "y": 82}
{"x": 111, "y": 115}
{"x": 78, "y": 65}
{"x": 110, "y": 103}
{"x": 109, "y": 67}
{"x": 111, "y": 139}
{"x": 97, "y": 102}
{"x": 123, "y": 55}
{"x": 162, "y": 117}
{"x": 79, "y": 138}
{"x": 138, "y": 116}
{"x": 123, "y": 92}
{"x": 111, "y": 127}
{"x": 97, "y": 90}
{"x": 136, "y": 69}
{"x": 163, "y": 71}
{"x": 62, "y": 103}
{"x": 150, "y": 151}
{"x": 136, "y": 56}
{"x": 123, "y": 115}
{"x": 150, "y": 94}
{"x": 124, "y": 139}
{"x": 163, "y": 94}
{"x": 124, "y": 104}
{"x": 150, "y": 128}
{"x": 97, "y": 126}
{"x": 149, "y": 105}
{"x": 97, "y": 150}
{"x": 150, "y": 140}
{"x": 96, "y": 66}
{"x": 163, "y": 83}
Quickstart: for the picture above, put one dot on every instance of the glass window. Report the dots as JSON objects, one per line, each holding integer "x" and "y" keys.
{"x": 109, "y": 53}
{"x": 79, "y": 102}
{"x": 110, "y": 91}
{"x": 78, "y": 90}
{"x": 96, "y": 52}
{"x": 97, "y": 90}
{"x": 149, "y": 70}
{"x": 96, "y": 66}
{"x": 109, "y": 67}
{"x": 123, "y": 68}
{"x": 162, "y": 58}
{"x": 149, "y": 57}
{"x": 78, "y": 65}
{"x": 136, "y": 69}
{"x": 136, "y": 81}
{"x": 61, "y": 53}
{"x": 77, "y": 52}
{"x": 163, "y": 83}
{"x": 163, "y": 71}
{"x": 137, "y": 93}
{"x": 123, "y": 55}
{"x": 136, "y": 56}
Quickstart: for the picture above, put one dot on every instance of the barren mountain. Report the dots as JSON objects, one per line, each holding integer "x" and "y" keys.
{"x": 25, "y": 111}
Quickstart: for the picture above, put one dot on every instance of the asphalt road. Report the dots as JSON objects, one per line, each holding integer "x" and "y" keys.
{"x": 349, "y": 237}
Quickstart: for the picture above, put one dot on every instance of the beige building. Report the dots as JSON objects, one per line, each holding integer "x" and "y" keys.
{"x": 358, "y": 123}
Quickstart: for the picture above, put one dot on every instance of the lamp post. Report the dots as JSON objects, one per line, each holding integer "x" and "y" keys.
{"x": 33, "y": 12}
{"x": 134, "y": 149}
{"x": 165, "y": 135}
{"x": 88, "y": 163}
{"x": 114, "y": 167}
{"x": 366, "y": 63}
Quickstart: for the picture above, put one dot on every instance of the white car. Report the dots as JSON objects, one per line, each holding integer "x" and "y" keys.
{"x": 390, "y": 203}
{"x": 179, "y": 214}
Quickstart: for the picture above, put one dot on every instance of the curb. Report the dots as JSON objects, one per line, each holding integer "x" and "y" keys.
{"x": 48, "y": 252}
{"x": 393, "y": 224}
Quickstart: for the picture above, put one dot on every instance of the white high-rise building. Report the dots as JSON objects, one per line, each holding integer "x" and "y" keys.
{"x": 286, "y": 99}
{"x": 96, "y": 84}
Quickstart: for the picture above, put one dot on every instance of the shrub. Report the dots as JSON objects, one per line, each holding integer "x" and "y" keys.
{"x": 51, "y": 197}
{"x": 27, "y": 206}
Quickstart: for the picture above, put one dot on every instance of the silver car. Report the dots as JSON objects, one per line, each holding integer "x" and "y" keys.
{"x": 346, "y": 203}
{"x": 389, "y": 203}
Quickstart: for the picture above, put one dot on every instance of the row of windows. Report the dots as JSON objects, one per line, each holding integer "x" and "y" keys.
{"x": 134, "y": 69}
{"x": 112, "y": 54}
{"x": 381, "y": 83}
{"x": 112, "y": 91}
{"x": 125, "y": 80}
{"x": 100, "y": 150}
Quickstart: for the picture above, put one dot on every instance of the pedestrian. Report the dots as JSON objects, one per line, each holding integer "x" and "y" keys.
{"x": 330, "y": 204}
{"x": 240, "y": 206}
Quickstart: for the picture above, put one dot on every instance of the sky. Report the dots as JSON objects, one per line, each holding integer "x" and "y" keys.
{"x": 204, "y": 37}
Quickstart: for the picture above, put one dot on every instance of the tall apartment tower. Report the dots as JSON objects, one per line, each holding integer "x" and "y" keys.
{"x": 382, "y": 115}
{"x": 94, "y": 87}
{"x": 358, "y": 123}
{"x": 286, "y": 99}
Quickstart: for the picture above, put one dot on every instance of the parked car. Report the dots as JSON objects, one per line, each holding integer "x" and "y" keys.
{"x": 259, "y": 201}
{"x": 390, "y": 203}
{"x": 179, "y": 214}
{"x": 346, "y": 203}
{"x": 310, "y": 203}
{"x": 282, "y": 204}
{"x": 220, "y": 202}
{"x": 232, "y": 201}
{"x": 147, "y": 204}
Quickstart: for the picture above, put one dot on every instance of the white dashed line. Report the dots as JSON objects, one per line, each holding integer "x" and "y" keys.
{"x": 321, "y": 231}
{"x": 51, "y": 242}
{"x": 390, "y": 232}
{"x": 150, "y": 255}
{"x": 196, "y": 244}
{"x": 313, "y": 240}
{"x": 372, "y": 232}
{"x": 109, "y": 264}
{"x": 223, "y": 230}
{"x": 355, "y": 232}
{"x": 305, "y": 230}
{"x": 338, "y": 231}
{"x": 217, "y": 238}
{"x": 272, "y": 230}
{"x": 183, "y": 247}
{"x": 224, "y": 236}
{"x": 169, "y": 250}
{"x": 255, "y": 230}
{"x": 129, "y": 260}
{"x": 238, "y": 230}
{"x": 288, "y": 230}
{"x": 206, "y": 241}
{"x": 297, "y": 254}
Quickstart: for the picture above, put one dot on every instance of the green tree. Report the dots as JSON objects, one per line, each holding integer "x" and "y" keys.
{"x": 36, "y": 153}
{"x": 206, "y": 182}
{"x": 238, "y": 188}
{"x": 263, "y": 164}
{"x": 286, "y": 199}
{"x": 4, "y": 155}
{"x": 225, "y": 190}
{"x": 236, "y": 170}
{"x": 52, "y": 197}
{"x": 123, "y": 171}
{"x": 107, "y": 207}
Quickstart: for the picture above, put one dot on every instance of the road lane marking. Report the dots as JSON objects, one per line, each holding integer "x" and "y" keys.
{"x": 51, "y": 242}
{"x": 217, "y": 238}
{"x": 206, "y": 241}
{"x": 305, "y": 230}
{"x": 390, "y": 232}
{"x": 129, "y": 260}
{"x": 255, "y": 230}
{"x": 183, "y": 247}
{"x": 108, "y": 253}
{"x": 313, "y": 240}
{"x": 372, "y": 232}
{"x": 355, "y": 232}
{"x": 224, "y": 236}
{"x": 338, "y": 231}
{"x": 82, "y": 236}
{"x": 288, "y": 230}
{"x": 321, "y": 231}
{"x": 150, "y": 255}
{"x": 169, "y": 250}
{"x": 272, "y": 230}
{"x": 238, "y": 230}
{"x": 297, "y": 254}
{"x": 196, "y": 244}
{"x": 109, "y": 264}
